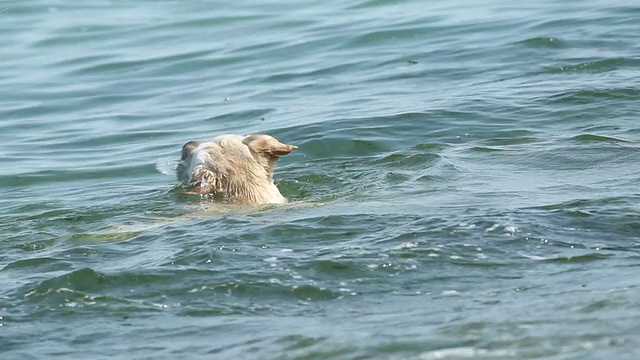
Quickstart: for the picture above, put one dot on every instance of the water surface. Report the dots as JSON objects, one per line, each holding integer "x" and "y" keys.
{"x": 466, "y": 184}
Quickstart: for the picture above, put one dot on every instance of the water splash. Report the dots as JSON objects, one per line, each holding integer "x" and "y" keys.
{"x": 166, "y": 166}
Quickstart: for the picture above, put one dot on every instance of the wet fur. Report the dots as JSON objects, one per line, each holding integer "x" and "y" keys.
{"x": 233, "y": 168}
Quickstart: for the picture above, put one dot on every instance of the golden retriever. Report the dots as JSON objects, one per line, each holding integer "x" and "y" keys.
{"x": 233, "y": 168}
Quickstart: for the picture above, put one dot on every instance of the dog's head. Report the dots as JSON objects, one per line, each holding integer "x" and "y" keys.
{"x": 267, "y": 146}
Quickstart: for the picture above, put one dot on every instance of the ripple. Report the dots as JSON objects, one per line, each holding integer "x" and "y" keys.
{"x": 386, "y": 36}
{"x": 515, "y": 140}
{"x": 414, "y": 161}
{"x": 485, "y": 149}
{"x": 89, "y": 280}
{"x": 275, "y": 290}
{"x": 585, "y": 203}
{"x": 593, "y": 138}
{"x": 345, "y": 147}
{"x": 586, "y": 96}
{"x": 597, "y": 66}
{"x": 544, "y": 42}
{"x": 374, "y": 3}
{"x": 41, "y": 265}
{"x": 335, "y": 269}
{"x": 466, "y": 353}
{"x": 580, "y": 258}
{"x": 208, "y": 21}
{"x": 54, "y": 176}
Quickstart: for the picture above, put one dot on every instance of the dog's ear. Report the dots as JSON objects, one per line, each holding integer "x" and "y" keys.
{"x": 268, "y": 145}
{"x": 280, "y": 149}
{"x": 188, "y": 148}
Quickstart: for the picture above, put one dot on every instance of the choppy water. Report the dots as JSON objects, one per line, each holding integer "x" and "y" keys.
{"x": 466, "y": 184}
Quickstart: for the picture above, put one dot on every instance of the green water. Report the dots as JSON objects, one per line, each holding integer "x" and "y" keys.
{"x": 466, "y": 184}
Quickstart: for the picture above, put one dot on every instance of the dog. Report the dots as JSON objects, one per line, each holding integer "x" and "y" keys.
{"x": 233, "y": 168}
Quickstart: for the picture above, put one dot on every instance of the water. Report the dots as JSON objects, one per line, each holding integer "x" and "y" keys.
{"x": 466, "y": 184}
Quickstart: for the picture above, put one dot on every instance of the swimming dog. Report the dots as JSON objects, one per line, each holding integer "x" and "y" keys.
{"x": 233, "y": 168}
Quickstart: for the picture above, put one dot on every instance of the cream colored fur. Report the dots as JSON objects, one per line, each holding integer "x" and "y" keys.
{"x": 234, "y": 168}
